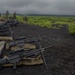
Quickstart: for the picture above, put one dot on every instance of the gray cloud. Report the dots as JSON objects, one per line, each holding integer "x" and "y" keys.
{"x": 63, "y": 7}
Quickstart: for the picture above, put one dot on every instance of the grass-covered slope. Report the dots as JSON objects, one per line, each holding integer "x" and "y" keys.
{"x": 49, "y": 21}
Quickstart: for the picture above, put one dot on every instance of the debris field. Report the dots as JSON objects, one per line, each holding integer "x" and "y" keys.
{"x": 60, "y": 57}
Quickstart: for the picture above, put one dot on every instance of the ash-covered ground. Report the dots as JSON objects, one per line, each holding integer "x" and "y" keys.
{"x": 60, "y": 57}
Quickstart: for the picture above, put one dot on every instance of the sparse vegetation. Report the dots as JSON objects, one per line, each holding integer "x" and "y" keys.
{"x": 7, "y": 14}
{"x": 14, "y": 15}
{"x": 48, "y": 21}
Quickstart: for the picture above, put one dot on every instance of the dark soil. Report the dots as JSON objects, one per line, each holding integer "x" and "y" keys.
{"x": 60, "y": 57}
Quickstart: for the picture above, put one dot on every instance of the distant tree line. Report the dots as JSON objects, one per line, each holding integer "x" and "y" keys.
{"x": 7, "y": 15}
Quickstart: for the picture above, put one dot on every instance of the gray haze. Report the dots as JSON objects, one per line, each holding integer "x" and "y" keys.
{"x": 57, "y": 7}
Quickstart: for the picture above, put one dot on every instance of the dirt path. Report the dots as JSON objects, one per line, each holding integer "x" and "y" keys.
{"x": 60, "y": 58}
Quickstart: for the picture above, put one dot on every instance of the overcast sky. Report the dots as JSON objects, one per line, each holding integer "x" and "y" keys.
{"x": 59, "y": 7}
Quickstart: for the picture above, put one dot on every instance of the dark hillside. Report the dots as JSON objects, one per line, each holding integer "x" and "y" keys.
{"x": 60, "y": 58}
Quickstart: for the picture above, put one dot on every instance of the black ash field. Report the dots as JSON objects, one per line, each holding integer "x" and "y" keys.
{"x": 60, "y": 57}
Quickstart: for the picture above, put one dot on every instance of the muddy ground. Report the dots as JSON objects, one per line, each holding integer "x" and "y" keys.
{"x": 60, "y": 57}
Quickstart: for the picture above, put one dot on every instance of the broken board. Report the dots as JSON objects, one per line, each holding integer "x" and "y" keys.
{"x": 27, "y": 61}
{"x": 3, "y": 38}
{"x": 2, "y": 44}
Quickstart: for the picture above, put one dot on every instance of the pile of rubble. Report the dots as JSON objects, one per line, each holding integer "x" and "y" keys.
{"x": 23, "y": 50}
